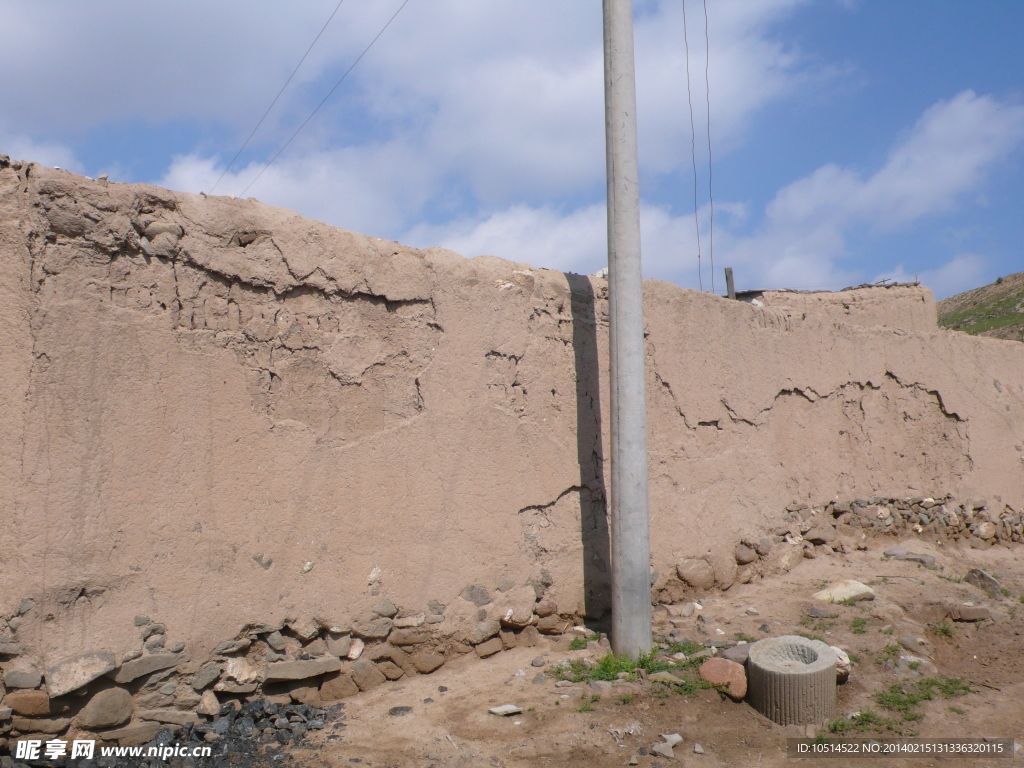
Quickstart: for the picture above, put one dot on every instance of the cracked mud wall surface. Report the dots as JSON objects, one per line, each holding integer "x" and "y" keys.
{"x": 204, "y": 396}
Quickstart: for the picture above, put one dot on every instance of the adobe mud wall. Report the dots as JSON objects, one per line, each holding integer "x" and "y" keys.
{"x": 217, "y": 413}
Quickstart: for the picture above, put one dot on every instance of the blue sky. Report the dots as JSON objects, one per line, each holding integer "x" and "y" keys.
{"x": 851, "y": 140}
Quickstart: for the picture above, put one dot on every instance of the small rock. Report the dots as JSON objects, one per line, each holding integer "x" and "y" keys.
{"x": 820, "y": 613}
{"x": 108, "y": 708}
{"x": 208, "y": 704}
{"x": 390, "y": 670}
{"x": 141, "y": 621}
{"x": 506, "y": 710}
{"x": 377, "y": 629}
{"x": 538, "y": 662}
{"x": 300, "y": 670}
{"x": 696, "y": 572}
{"x": 738, "y": 653}
{"x": 843, "y": 665}
{"x": 505, "y": 585}
{"x": 28, "y": 703}
{"x": 672, "y": 738}
{"x": 744, "y": 554}
{"x": 356, "y": 649}
{"x": 912, "y": 643}
{"x": 698, "y": 749}
{"x": 844, "y": 590}
{"x": 339, "y": 646}
{"x": 719, "y": 671}
{"x": 663, "y": 677}
{"x": 489, "y": 648}
{"x": 207, "y": 674}
{"x": 153, "y": 629}
{"x": 147, "y": 665}
{"x": 971, "y": 613}
{"x": 304, "y": 629}
{"x": 40, "y": 725}
{"x": 171, "y": 716}
{"x": 316, "y": 648}
{"x": 752, "y": 611}
{"x": 9, "y": 649}
{"x": 385, "y": 608}
{"x": 366, "y": 675}
{"x": 983, "y": 581}
{"x": 232, "y": 646}
{"x": 22, "y": 678}
{"x": 546, "y": 608}
{"x": 553, "y": 625}
{"x": 337, "y": 685}
{"x": 276, "y": 641}
{"x": 415, "y": 636}
{"x": 477, "y": 595}
{"x": 821, "y": 535}
{"x": 426, "y": 662}
{"x": 399, "y": 711}
{"x": 663, "y": 749}
{"x": 435, "y": 607}
{"x": 405, "y": 622}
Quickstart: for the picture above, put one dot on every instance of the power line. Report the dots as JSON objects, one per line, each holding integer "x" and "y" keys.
{"x": 324, "y": 101}
{"x": 278, "y": 95}
{"x": 707, "y": 92}
{"x": 693, "y": 148}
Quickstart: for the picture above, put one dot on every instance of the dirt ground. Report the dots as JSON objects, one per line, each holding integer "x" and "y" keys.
{"x": 449, "y": 723}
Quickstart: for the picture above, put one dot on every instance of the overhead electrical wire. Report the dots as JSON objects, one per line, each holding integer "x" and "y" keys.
{"x": 693, "y": 148}
{"x": 286, "y": 82}
{"x": 707, "y": 92}
{"x": 324, "y": 101}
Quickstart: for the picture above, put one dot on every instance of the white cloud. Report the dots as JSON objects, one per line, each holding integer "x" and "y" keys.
{"x": 576, "y": 240}
{"x": 802, "y": 240}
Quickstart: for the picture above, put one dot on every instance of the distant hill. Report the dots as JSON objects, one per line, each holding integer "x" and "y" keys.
{"x": 995, "y": 310}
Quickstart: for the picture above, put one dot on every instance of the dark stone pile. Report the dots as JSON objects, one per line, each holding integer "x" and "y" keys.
{"x": 976, "y": 522}
{"x": 253, "y": 736}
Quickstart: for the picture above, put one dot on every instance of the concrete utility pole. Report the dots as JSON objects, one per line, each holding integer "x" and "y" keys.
{"x": 630, "y": 527}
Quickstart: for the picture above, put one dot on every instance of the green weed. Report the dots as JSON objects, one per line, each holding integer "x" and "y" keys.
{"x": 578, "y": 644}
{"x": 859, "y": 625}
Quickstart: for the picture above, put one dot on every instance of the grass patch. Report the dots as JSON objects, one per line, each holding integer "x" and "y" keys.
{"x": 905, "y": 698}
{"x": 689, "y": 648}
{"x": 627, "y": 698}
{"x": 859, "y": 625}
{"x": 891, "y": 651}
{"x": 608, "y": 668}
{"x": 588, "y": 703}
{"x": 956, "y": 711}
{"x": 578, "y": 644}
{"x": 943, "y": 629}
{"x": 1005, "y": 592}
{"x": 818, "y": 625}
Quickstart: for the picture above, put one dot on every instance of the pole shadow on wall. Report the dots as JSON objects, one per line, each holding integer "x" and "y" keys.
{"x": 593, "y": 497}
